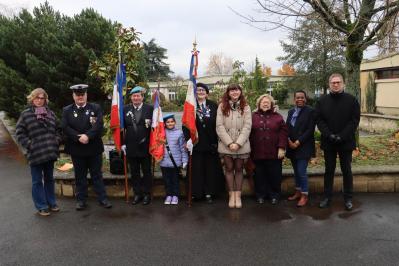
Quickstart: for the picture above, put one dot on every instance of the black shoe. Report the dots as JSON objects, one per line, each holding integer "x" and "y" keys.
{"x": 208, "y": 199}
{"x": 325, "y": 203}
{"x": 146, "y": 199}
{"x": 106, "y": 204}
{"x": 260, "y": 200}
{"x": 274, "y": 201}
{"x": 137, "y": 199}
{"x": 80, "y": 205}
{"x": 348, "y": 205}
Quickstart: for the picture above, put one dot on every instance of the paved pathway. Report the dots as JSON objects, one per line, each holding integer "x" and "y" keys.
{"x": 202, "y": 235}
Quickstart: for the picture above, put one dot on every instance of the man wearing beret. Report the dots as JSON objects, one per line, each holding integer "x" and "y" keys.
{"x": 82, "y": 123}
{"x": 137, "y": 121}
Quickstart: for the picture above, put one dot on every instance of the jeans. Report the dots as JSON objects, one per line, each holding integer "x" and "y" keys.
{"x": 81, "y": 166}
{"x": 301, "y": 177}
{"x": 171, "y": 179}
{"x": 43, "y": 185}
{"x": 268, "y": 175}
{"x": 345, "y": 159}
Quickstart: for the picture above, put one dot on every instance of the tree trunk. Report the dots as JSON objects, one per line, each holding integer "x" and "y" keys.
{"x": 354, "y": 56}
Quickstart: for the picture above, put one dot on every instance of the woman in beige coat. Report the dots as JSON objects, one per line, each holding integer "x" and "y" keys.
{"x": 233, "y": 126}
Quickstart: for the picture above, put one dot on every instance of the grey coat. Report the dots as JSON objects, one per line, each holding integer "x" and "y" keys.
{"x": 40, "y": 138}
{"x": 175, "y": 139}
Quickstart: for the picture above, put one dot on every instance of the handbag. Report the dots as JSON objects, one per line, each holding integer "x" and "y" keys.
{"x": 116, "y": 163}
{"x": 178, "y": 169}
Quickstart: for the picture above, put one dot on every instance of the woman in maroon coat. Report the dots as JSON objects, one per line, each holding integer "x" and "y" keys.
{"x": 268, "y": 142}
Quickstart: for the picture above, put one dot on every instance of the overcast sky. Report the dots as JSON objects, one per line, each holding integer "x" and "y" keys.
{"x": 175, "y": 23}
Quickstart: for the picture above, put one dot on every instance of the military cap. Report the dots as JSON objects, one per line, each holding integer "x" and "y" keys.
{"x": 202, "y": 85}
{"x": 136, "y": 89}
{"x": 166, "y": 117}
{"x": 79, "y": 88}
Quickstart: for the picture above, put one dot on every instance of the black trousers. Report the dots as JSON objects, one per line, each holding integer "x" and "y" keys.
{"x": 268, "y": 175}
{"x": 345, "y": 160}
{"x": 207, "y": 175}
{"x": 141, "y": 185}
{"x": 81, "y": 166}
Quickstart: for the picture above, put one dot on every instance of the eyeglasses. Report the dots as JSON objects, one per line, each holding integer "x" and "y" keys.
{"x": 200, "y": 89}
{"x": 335, "y": 82}
{"x": 40, "y": 98}
{"x": 79, "y": 93}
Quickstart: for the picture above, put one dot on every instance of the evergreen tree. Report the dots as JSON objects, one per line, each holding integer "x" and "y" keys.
{"x": 154, "y": 57}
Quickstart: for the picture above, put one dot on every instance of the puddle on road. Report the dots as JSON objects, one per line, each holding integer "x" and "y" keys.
{"x": 337, "y": 208}
{"x": 8, "y": 149}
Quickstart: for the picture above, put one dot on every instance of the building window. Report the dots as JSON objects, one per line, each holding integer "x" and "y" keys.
{"x": 172, "y": 96}
{"x": 392, "y": 73}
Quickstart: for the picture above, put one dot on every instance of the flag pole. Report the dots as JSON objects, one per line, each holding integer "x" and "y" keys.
{"x": 153, "y": 159}
{"x": 190, "y": 160}
{"x": 123, "y": 133}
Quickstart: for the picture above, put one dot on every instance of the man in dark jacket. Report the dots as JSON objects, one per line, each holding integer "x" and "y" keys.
{"x": 301, "y": 144}
{"x": 82, "y": 123}
{"x": 137, "y": 121}
{"x": 206, "y": 168}
{"x": 338, "y": 116}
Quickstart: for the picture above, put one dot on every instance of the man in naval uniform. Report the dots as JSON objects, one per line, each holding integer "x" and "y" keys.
{"x": 137, "y": 121}
{"x": 82, "y": 123}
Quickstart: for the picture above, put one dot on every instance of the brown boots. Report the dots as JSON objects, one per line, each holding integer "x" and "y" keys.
{"x": 302, "y": 201}
{"x": 235, "y": 199}
{"x": 303, "y": 198}
{"x": 296, "y": 196}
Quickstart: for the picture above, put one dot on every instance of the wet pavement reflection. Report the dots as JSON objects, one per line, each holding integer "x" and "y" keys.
{"x": 201, "y": 235}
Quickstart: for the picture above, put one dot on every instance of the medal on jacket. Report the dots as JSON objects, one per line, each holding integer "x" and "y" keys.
{"x": 75, "y": 114}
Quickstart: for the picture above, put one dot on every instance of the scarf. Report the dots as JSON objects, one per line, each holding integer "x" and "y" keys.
{"x": 42, "y": 113}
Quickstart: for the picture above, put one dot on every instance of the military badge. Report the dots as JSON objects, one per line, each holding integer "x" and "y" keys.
{"x": 93, "y": 120}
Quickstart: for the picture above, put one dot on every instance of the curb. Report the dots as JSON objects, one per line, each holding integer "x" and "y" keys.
{"x": 384, "y": 178}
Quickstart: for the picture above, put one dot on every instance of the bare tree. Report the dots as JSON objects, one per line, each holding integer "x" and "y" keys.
{"x": 361, "y": 23}
{"x": 389, "y": 32}
{"x": 219, "y": 64}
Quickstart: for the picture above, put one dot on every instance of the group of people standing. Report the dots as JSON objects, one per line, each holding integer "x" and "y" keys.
{"x": 229, "y": 136}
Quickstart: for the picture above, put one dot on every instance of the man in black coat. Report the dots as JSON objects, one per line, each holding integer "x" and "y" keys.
{"x": 338, "y": 116}
{"x": 82, "y": 123}
{"x": 206, "y": 168}
{"x": 137, "y": 121}
{"x": 301, "y": 144}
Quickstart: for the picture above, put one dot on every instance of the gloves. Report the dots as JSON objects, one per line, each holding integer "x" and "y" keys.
{"x": 184, "y": 165}
{"x": 281, "y": 153}
{"x": 335, "y": 138}
{"x": 123, "y": 149}
{"x": 190, "y": 146}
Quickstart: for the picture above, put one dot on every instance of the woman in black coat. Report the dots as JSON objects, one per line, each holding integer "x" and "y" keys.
{"x": 206, "y": 169}
{"x": 38, "y": 133}
{"x": 301, "y": 144}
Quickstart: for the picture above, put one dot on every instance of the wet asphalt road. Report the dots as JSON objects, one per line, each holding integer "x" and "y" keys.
{"x": 201, "y": 235}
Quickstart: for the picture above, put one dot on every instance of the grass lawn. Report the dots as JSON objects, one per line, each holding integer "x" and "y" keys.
{"x": 373, "y": 150}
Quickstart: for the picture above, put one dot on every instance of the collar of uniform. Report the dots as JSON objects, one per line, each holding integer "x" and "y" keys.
{"x": 202, "y": 104}
{"x": 78, "y": 107}
{"x": 138, "y": 107}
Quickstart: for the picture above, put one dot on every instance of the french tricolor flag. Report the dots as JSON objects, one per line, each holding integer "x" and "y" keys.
{"x": 116, "y": 121}
{"x": 157, "y": 135}
{"x": 190, "y": 105}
